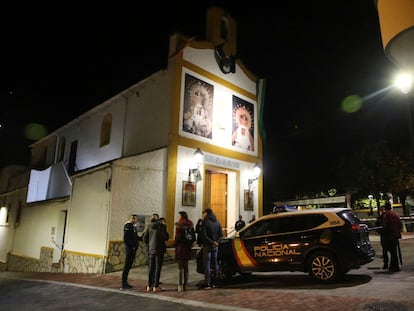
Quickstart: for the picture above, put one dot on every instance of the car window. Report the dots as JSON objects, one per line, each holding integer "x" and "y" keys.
{"x": 259, "y": 228}
{"x": 283, "y": 225}
{"x": 300, "y": 222}
{"x": 350, "y": 217}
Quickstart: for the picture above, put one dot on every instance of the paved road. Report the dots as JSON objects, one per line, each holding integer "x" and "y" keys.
{"x": 27, "y": 295}
{"x": 368, "y": 288}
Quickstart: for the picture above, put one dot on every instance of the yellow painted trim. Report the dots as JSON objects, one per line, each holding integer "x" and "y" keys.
{"x": 23, "y": 256}
{"x": 175, "y": 64}
{"x": 201, "y": 45}
{"x": 260, "y": 179}
{"x": 115, "y": 241}
{"x": 218, "y": 80}
{"x": 242, "y": 255}
{"x": 190, "y": 143}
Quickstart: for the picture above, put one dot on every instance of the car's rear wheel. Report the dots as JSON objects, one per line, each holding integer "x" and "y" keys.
{"x": 323, "y": 266}
{"x": 226, "y": 271}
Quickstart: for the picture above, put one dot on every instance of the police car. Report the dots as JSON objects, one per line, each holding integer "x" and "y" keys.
{"x": 325, "y": 243}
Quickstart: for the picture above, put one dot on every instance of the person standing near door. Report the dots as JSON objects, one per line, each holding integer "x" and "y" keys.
{"x": 380, "y": 230}
{"x": 211, "y": 237}
{"x": 131, "y": 247}
{"x": 183, "y": 248}
{"x": 392, "y": 226}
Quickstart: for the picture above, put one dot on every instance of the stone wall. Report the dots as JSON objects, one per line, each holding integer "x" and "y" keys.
{"x": 83, "y": 263}
{"x": 27, "y": 264}
{"x": 73, "y": 262}
{"x": 116, "y": 256}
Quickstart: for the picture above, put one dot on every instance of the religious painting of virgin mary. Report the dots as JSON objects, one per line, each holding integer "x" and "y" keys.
{"x": 243, "y": 124}
{"x": 198, "y": 107}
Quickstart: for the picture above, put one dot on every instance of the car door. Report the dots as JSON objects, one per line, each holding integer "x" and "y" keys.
{"x": 259, "y": 249}
{"x": 277, "y": 243}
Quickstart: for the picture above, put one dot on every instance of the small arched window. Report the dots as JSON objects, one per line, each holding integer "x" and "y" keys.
{"x": 106, "y": 130}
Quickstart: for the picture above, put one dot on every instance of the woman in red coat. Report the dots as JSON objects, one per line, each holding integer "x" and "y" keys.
{"x": 392, "y": 226}
{"x": 183, "y": 248}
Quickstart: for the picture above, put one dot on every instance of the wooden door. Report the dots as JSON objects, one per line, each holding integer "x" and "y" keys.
{"x": 216, "y": 196}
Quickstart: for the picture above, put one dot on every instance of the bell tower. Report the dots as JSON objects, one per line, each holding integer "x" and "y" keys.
{"x": 221, "y": 29}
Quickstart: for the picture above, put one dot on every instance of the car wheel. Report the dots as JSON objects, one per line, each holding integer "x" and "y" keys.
{"x": 323, "y": 266}
{"x": 245, "y": 274}
{"x": 226, "y": 271}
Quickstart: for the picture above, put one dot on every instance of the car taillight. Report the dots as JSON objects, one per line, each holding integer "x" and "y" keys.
{"x": 355, "y": 227}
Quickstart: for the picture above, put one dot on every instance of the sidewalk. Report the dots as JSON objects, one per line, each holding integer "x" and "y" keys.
{"x": 370, "y": 288}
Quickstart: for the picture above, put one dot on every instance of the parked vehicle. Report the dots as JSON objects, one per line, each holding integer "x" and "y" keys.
{"x": 325, "y": 243}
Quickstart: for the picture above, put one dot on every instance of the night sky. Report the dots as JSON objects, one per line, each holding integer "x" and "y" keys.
{"x": 61, "y": 62}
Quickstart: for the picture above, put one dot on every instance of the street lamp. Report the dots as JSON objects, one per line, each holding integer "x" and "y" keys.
{"x": 404, "y": 81}
{"x": 198, "y": 161}
{"x": 256, "y": 173}
{"x": 198, "y": 157}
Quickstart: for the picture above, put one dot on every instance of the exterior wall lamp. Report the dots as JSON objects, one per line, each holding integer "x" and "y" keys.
{"x": 256, "y": 173}
{"x": 198, "y": 160}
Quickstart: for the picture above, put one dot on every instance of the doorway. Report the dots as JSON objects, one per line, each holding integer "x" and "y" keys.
{"x": 215, "y": 196}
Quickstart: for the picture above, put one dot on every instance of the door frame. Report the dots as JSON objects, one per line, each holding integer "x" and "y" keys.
{"x": 233, "y": 195}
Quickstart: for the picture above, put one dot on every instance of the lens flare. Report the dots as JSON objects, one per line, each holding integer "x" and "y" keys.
{"x": 351, "y": 103}
{"x": 35, "y": 131}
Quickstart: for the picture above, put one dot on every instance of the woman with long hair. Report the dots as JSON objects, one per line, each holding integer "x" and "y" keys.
{"x": 183, "y": 248}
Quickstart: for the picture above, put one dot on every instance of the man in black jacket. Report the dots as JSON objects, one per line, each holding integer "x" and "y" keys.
{"x": 211, "y": 236}
{"x": 131, "y": 247}
{"x": 155, "y": 237}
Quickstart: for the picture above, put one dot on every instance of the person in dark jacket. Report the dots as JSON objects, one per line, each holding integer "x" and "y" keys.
{"x": 183, "y": 248}
{"x": 378, "y": 223}
{"x": 211, "y": 236}
{"x": 392, "y": 226}
{"x": 198, "y": 230}
{"x": 165, "y": 233}
{"x": 155, "y": 236}
{"x": 131, "y": 246}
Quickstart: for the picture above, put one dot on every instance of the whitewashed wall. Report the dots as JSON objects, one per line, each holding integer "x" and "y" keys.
{"x": 88, "y": 132}
{"x": 6, "y": 233}
{"x": 148, "y": 114}
{"x": 185, "y": 161}
{"x": 39, "y": 227}
{"x": 88, "y": 214}
{"x": 139, "y": 186}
